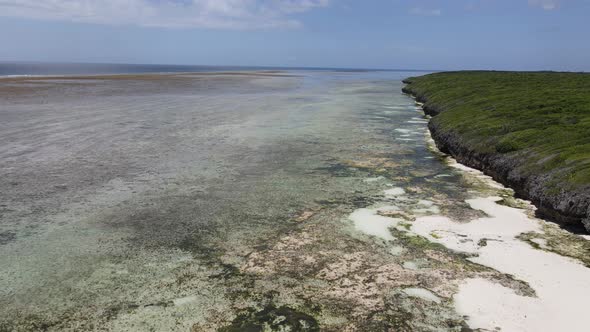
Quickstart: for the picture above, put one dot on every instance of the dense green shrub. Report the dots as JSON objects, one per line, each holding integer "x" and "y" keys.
{"x": 543, "y": 117}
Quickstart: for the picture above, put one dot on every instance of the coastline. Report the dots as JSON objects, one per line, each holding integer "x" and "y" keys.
{"x": 570, "y": 209}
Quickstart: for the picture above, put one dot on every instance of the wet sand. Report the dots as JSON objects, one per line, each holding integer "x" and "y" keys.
{"x": 236, "y": 201}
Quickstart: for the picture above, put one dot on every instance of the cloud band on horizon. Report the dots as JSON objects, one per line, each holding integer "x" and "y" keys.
{"x": 214, "y": 14}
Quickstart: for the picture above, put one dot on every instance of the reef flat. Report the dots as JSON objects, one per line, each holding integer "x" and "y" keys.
{"x": 261, "y": 201}
{"x": 528, "y": 130}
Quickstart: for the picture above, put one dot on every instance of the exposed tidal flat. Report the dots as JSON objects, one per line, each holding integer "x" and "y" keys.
{"x": 260, "y": 201}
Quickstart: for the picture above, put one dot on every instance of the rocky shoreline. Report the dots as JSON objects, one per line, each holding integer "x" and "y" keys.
{"x": 569, "y": 208}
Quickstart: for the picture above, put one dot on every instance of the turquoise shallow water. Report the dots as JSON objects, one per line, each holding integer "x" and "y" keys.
{"x": 232, "y": 202}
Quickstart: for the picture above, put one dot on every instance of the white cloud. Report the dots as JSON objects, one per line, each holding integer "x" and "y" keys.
{"x": 545, "y": 4}
{"x": 215, "y": 14}
{"x": 425, "y": 12}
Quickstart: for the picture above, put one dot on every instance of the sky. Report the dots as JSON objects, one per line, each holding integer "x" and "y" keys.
{"x": 387, "y": 34}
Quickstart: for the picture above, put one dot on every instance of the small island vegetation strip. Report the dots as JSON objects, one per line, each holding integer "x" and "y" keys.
{"x": 528, "y": 130}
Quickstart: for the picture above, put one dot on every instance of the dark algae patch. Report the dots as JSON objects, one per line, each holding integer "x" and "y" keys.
{"x": 529, "y": 130}
{"x": 273, "y": 319}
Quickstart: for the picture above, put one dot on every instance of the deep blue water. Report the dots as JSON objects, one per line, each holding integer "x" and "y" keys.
{"x": 22, "y": 68}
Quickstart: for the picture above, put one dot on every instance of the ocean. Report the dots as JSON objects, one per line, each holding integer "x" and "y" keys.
{"x": 41, "y": 69}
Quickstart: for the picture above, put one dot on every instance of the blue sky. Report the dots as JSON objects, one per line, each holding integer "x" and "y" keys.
{"x": 417, "y": 34}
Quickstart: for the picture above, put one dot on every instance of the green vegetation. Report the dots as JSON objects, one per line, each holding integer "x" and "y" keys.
{"x": 541, "y": 118}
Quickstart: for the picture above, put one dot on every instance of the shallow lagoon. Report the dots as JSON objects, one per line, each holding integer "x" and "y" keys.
{"x": 298, "y": 200}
